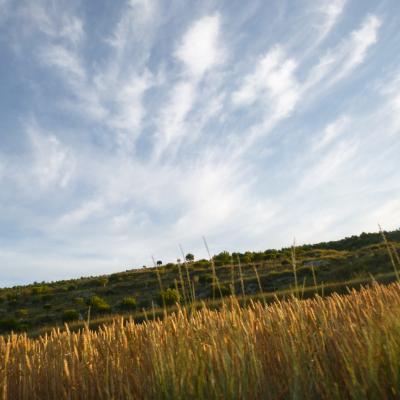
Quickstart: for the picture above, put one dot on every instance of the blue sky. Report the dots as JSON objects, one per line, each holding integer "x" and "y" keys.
{"x": 128, "y": 127}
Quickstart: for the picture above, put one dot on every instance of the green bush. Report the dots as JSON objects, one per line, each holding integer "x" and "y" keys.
{"x": 128, "y": 303}
{"x": 21, "y": 313}
{"x": 99, "y": 305}
{"x": 70, "y": 315}
{"x": 80, "y": 301}
{"x": 223, "y": 289}
{"x": 202, "y": 264}
{"x": 115, "y": 278}
{"x": 42, "y": 289}
{"x": 169, "y": 297}
{"x": 205, "y": 278}
{"x": 222, "y": 258}
{"x": 102, "y": 281}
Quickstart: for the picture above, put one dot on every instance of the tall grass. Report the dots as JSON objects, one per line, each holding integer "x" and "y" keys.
{"x": 341, "y": 347}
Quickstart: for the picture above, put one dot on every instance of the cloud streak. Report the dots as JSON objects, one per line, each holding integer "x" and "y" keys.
{"x": 162, "y": 123}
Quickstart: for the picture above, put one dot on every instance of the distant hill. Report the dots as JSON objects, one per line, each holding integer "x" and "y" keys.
{"x": 319, "y": 268}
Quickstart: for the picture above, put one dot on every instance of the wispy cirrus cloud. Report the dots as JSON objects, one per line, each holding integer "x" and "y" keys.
{"x": 331, "y": 132}
{"x": 339, "y": 62}
{"x": 273, "y": 82}
{"x": 331, "y": 11}
{"x": 53, "y": 162}
{"x": 200, "y": 48}
{"x": 162, "y": 123}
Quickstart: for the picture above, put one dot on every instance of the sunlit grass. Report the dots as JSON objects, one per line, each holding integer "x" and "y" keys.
{"x": 344, "y": 346}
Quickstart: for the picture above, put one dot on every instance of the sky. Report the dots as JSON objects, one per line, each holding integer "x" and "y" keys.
{"x": 130, "y": 127}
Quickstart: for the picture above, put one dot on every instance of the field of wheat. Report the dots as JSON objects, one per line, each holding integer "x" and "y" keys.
{"x": 341, "y": 347}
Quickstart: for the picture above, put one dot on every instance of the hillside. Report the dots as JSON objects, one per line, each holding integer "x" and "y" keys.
{"x": 320, "y": 268}
{"x": 341, "y": 347}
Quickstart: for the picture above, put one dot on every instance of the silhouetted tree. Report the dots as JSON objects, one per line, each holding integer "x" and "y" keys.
{"x": 189, "y": 257}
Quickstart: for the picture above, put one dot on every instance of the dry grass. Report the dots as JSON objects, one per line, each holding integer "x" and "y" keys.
{"x": 342, "y": 347}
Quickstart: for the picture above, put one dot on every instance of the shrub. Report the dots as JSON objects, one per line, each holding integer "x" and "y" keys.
{"x": 70, "y": 315}
{"x": 42, "y": 289}
{"x": 128, "y": 303}
{"x": 80, "y": 301}
{"x": 99, "y": 305}
{"x": 102, "y": 281}
{"x": 206, "y": 278}
{"x": 202, "y": 264}
{"x": 115, "y": 278}
{"x": 21, "y": 313}
{"x": 222, "y": 258}
{"x": 169, "y": 297}
{"x": 224, "y": 290}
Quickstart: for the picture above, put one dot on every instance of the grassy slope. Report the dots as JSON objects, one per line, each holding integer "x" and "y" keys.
{"x": 336, "y": 265}
{"x": 341, "y": 347}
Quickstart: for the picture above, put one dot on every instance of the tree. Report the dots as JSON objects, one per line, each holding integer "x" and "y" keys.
{"x": 70, "y": 315}
{"x": 222, "y": 258}
{"x": 128, "y": 303}
{"x": 189, "y": 257}
{"x": 159, "y": 263}
{"x": 247, "y": 257}
{"x": 100, "y": 305}
{"x": 169, "y": 297}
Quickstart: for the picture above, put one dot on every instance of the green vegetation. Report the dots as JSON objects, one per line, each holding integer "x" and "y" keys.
{"x": 322, "y": 268}
{"x": 334, "y": 348}
{"x": 128, "y": 303}
{"x": 70, "y": 315}
{"x": 169, "y": 297}
{"x": 99, "y": 305}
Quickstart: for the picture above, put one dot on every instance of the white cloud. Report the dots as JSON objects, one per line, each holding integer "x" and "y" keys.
{"x": 172, "y": 121}
{"x": 391, "y": 94}
{"x": 200, "y": 49}
{"x": 137, "y": 22}
{"x": 53, "y": 162}
{"x": 80, "y": 214}
{"x": 206, "y": 175}
{"x": 331, "y": 11}
{"x": 72, "y": 29}
{"x": 64, "y": 60}
{"x": 328, "y": 166}
{"x": 338, "y": 63}
{"x": 55, "y": 20}
{"x": 387, "y": 215}
{"x": 331, "y": 132}
{"x": 128, "y": 108}
{"x": 68, "y": 65}
{"x": 273, "y": 81}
